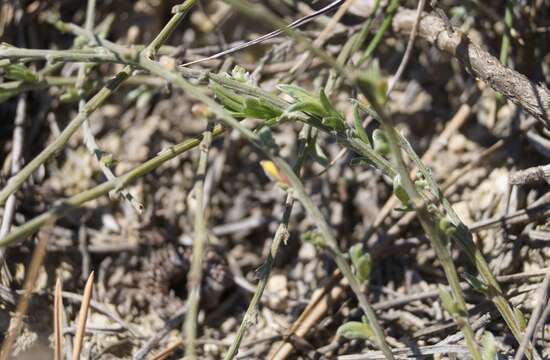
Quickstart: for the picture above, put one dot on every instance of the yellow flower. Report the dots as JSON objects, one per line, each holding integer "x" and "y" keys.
{"x": 272, "y": 171}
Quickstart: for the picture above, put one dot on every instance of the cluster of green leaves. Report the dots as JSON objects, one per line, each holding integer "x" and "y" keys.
{"x": 16, "y": 72}
{"x": 242, "y": 106}
{"x": 318, "y": 106}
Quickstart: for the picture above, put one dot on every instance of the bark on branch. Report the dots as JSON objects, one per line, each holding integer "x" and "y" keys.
{"x": 533, "y": 97}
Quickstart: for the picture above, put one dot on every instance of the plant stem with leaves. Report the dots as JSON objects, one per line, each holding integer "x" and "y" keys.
{"x": 436, "y": 235}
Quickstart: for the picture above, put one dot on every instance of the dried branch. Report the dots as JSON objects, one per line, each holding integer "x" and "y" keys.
{"x": 533, "y": 176}
{"x": 533, "y": 97}
{"x": 82, "y": 317}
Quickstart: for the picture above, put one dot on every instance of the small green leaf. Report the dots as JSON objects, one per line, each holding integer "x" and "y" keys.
{"x": 355, "y": 330}
{"x": 266, "y": 137}
{"x": 489, "y": 347}
{"x": 376, "y": 84}
{"x": 334, "y": 122}
{"x": 240, "y": 74}
{"x": 359, "y": 130}
{"x": 311, "y": 107}
{"x": 315, "y": 238}
{"x": 421, "y": 184}
{"x": 447, "y": 301}
{"x": 399, "y": 190}
{"x": 380, "y": 141}
{"x": 7, "y": 94}
{"x": 229, "y": 99}
{"x": 521, "y": 318}
{"x": 325, "y": 101}
{"x": 69, "y": 96}
{"x": 367, "y": 110}
{"x": 107, "y": 160}
{"x": 317, "y": 153}
{"x": 297, "y": 93}
{"x": 361, "y": 161}
{"x": 361, "y": 261}
{"x": 475, "y": 283}
{"x": 20, "y": 72}
{"x": 363, "y": 268}
{"x": 355, "y": 252}
{"x": 447, "y": 226}
{"x": 260, "y": 109}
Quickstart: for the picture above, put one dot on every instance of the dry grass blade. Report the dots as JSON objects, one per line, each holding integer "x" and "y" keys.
{"x": 22, "y": 306}
{"x": 58, "y": 321}
{"x": 82, "y": 317}
{"x": 166, "y": 352}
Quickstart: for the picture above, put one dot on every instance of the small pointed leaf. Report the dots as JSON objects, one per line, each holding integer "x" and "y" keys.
{"x": 380, "y": 141}
{"x": 297, "y": 93}
{"x": 489, "y": 347}
{"x": 475, "y": 283}
{"x": 311, "y": 107}
{"x": 399, "y": 190}
{"x": 355, "y": 330}
{"x": 359, "y": 130}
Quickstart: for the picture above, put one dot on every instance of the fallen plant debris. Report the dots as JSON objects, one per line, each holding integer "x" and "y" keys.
{"x": 236, "y": 179}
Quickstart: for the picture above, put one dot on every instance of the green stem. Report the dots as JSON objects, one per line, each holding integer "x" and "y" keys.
{"x": 463, "y": 238}
{"x": 24, "y": 55}
{"x": 390, "y": 12}
{"x": 88, "y": 136}
{"x": 436, "y": 236}
{"x": 194, "y": 278}
{"x": 280, "y": 236}
{"x": 505, "y": 44}
{"x": 16, "y": 181}
{"x": 65, "y": 206}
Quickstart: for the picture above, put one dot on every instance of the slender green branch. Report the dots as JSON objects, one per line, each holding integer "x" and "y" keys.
{"x": 463, "y": 237}
{"x": 16, "y": 181}
{"x": 49, "y": 81}
{"x": 388, "y": 17}
{"x": 194, "y": 278}
{"x": 88, "y": 137}
{"x": 505, "y": 44}
{"x": 280, "y": 236}
{"x": 351, "y": 46}
{"x": 331, "y": 244}
{"x": 25, "y": 55}
{"x": 434, "y": 233}
{"x": 67, "y": 205}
